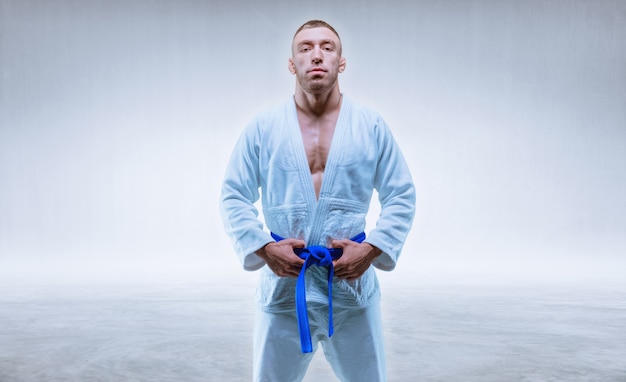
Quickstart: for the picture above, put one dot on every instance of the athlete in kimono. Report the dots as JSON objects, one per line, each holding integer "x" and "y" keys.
{"x": 315, "y": 162}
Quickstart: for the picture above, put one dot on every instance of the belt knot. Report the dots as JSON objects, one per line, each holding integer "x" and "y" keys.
{"x": 320, "y": 254}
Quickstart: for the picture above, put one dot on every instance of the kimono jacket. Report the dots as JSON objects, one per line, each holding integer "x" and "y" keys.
{"x": 269, "y": 162}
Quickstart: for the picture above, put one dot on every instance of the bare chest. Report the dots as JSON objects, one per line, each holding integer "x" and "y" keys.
{"x": 317, "y": 138}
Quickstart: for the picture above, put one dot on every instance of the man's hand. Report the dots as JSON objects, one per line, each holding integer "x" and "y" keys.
{"x": 356, "y": 258}
{"x": 280, "y": 257}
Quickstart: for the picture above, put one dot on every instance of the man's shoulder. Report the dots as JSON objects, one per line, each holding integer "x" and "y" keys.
{"x": 365, "y": 114}
{"x": 356, "y": 107}
{"x": 268, "y": 119}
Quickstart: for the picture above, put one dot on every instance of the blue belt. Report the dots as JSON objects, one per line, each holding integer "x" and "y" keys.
{"x": 323, "y": 257}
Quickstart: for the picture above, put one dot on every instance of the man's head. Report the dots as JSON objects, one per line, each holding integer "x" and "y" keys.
{"x": 318, "y": 24}
{"x": 316, "y": 57}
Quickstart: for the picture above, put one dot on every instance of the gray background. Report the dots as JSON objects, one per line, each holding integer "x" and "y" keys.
{"x": 117, "y": 119}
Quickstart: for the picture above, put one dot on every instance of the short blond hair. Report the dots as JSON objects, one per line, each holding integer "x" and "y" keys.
{"x": 317, "y": 24}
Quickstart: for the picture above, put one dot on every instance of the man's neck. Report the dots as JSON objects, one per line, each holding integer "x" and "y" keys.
{"x": 318, "y": 105}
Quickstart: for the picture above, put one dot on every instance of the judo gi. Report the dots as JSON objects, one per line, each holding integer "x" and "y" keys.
{"x": 269, "y": 162}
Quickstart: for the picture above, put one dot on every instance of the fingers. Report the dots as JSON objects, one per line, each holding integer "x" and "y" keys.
{"x": 348, "y": 272}
{"x": 281, "y": 259}
{"x": 345, "y": 269}
{"x": 294, "y": 243}
{"x": 354, "y": 262}
{"x": 341, "y": 243}
{"x": 287, "y": 270}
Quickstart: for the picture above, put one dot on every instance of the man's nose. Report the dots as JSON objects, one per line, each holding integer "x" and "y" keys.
{"x": 316, "y": 55}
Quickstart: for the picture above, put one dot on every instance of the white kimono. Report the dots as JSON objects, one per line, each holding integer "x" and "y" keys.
{"x": 363, "y": 156}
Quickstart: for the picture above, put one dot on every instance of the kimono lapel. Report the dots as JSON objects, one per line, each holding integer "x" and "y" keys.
{"x": 318, "y": 208}
{"x": 304, "y": 173}
{"x": 336, "y": 147}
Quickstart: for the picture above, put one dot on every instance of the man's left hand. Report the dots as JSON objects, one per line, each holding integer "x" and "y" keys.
{"x": 356, "y": 258}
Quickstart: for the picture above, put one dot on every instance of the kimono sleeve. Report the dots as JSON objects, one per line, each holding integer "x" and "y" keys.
{"x": 240, "y": 190}
{"x": 396, "y": 194}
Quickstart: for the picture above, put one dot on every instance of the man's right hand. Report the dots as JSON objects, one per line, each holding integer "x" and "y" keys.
{"x": 280, "y": 257}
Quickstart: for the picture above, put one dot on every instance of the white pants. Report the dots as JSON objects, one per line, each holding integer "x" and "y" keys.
{"x": 355, "y": 351}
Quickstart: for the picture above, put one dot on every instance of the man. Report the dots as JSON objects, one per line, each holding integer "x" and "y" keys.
{"x": 317, "y": 160}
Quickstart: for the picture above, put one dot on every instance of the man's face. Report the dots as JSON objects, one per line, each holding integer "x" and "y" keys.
{"x": 316, "y": 59}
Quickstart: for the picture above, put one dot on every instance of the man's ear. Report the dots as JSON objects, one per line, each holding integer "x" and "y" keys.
{"x": 342, "y": 65}
{"x": 291, "y": 66}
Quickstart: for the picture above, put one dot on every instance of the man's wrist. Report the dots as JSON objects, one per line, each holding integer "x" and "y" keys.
{"x": 261, "y": 251}
{"x": 374, "y": 251}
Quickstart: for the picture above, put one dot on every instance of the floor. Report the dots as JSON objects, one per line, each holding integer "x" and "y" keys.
{"x": 201, "y": 332}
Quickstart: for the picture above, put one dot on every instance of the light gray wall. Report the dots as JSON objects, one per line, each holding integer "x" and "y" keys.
{"x": 117, "y": 119}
